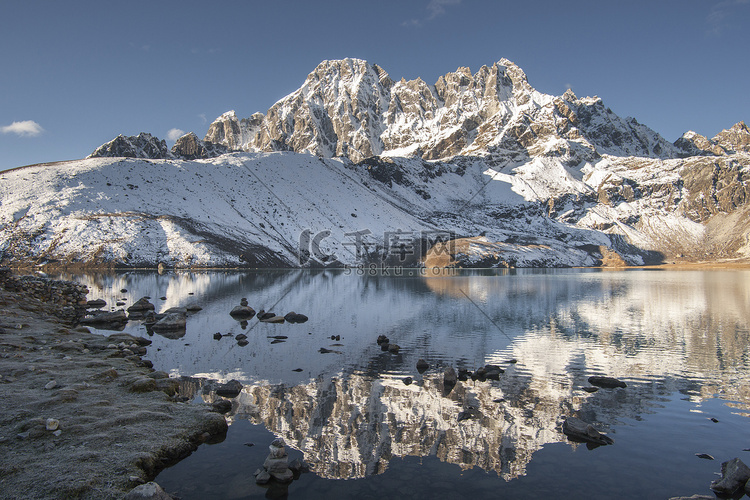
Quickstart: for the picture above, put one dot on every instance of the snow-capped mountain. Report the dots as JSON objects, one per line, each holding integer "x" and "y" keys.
{"x": 352, "y": 108}
{"x": 356, "y": 168}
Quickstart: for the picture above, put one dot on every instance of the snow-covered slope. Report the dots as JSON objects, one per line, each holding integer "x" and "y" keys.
{"x": 290, "y": 209}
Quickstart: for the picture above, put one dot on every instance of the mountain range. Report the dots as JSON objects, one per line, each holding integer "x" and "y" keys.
{"x": 479, "y": 169}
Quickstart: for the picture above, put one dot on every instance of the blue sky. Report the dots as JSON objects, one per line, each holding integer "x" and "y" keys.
{"x": 75, "y": 74}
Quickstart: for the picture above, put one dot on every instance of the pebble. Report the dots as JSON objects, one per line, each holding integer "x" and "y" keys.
{"x": 51, "y": 384}
{"x": 57, "y": 432}
{"x": 52, "y": 424}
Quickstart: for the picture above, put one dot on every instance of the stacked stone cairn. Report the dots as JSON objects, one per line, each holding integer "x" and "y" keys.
{"x": 277, "y": 465}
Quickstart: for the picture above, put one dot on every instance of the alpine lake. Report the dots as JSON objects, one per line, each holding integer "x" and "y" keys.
{"x": 368, "y": 424}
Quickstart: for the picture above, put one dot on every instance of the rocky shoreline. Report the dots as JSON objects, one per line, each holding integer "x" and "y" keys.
{"x": 83, "y": 415}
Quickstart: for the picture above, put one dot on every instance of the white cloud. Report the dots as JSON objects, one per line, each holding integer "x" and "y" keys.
{"x": 717, "y": 17}
{"x": 202, "y": 116}
{"x": 437, "y": 7}
{"x": 174, "y": 134}
{"x": 26, "y": 128}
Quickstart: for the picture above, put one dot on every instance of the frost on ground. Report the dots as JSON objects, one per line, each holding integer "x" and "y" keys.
{"x": 80, "y": 418}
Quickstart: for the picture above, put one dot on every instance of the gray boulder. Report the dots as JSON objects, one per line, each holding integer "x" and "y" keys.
{"x": 148, "y": 491}
{"x": 734, "y": 475}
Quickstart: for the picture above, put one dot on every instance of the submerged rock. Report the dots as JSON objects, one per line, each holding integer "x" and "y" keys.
{"x": 579, "y": 430}
{"x": 422, "y": 365}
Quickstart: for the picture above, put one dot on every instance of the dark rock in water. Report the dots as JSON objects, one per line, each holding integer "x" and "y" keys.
{"x": 606, "y": 382}
{"x": 193, "y": 308}
{"x": 241, "y": 336}
{"x": 382, "y": 339}
{"x": 278, "y": 341}
{"x": 163, "y": 298}
{"x": 422, "y": 365}
{"x": 492, "y": 372}
{"x": 96, "y": 304}
{"x": 242, "y": 343}
{"x": 734, "y": 475}
{"x": 449, "y": 379}
{"x": 221, "y": 406}
{"x": 230, "y": 389}
{"x": 105, "y": 318}
{"x": 244, "y": 312}
{"x": 590, "y": 389}
{"x": 278, "y": 337}
{"x": 579, "y": 430}
{"x": 141, "y": 305}
{"x": 394, "y": 348}
{"x": 294, "y": 317}
{"x": 464, "y": 374}
{"x": 714, "y": 420}
{"x": 120, "y": 303}
{"x": 512, "y": 361}
{"x": 217, "y": 336}
{"x": 148, "y": 491}
{"x": 384, "y": 346}
{"x": 123, "y": 290}
{"x": 265, "y": 315}
{"x": 499, "y": 400}
{"x": 243, "y": 301}
{"x": 323, "y": 350}
{"x": 297, "y": 370}
{"x": 704, "y": 456}
{"x": 408, "y": 380}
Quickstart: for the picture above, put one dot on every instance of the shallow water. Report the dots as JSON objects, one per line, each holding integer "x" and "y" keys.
{"x": 679, "y": 339}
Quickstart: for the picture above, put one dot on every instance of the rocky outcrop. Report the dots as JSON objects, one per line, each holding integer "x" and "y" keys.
{"x": 729, "y": 141}
{"x": 189, "y": 147}
{"x": 233, "y": 133}
{"x": 143, "y": 145}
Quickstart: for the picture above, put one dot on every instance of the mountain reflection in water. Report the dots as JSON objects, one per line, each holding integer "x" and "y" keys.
{"x": 350, "y": 412}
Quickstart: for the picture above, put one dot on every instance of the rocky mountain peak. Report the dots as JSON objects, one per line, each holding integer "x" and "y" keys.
{"x": 734, "y": 139}
{"x": 352, "y": 108}
{"x": 144, "y": 145}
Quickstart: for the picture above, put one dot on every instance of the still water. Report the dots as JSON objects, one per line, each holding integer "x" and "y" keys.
{"x": 679, "y": 339}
